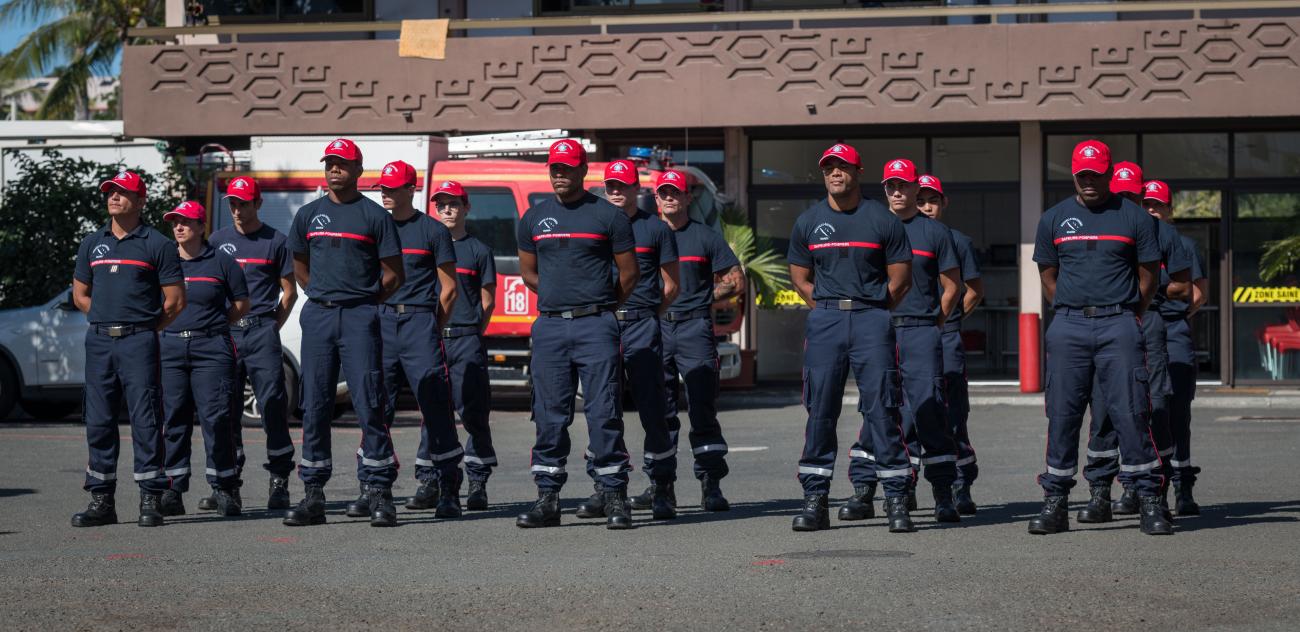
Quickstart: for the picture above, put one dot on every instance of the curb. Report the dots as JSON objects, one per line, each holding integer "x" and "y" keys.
{"x": 1292, "y": 402}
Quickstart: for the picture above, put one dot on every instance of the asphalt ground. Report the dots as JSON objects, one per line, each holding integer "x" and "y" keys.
{"x": 1236, "y": 567}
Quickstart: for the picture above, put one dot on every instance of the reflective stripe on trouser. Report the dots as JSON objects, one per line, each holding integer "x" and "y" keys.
{"x": 691, "y": 352}
{"x": 1102, "y": 464}
{"x": 924, "y": 412}
{"x": 123, "y": 371}
{"x": 412, "y": 348}
{"x": 471, "y": 395}
{"x": 1182, "y": 376}
{"x": 958, "y": 399}
{"x": 347, "y": 338}
{"x": 564, "y": 351}
{"x": 1111, "y": 349}
{"x": 643, "y": 372}
{"x": 860, "y": 341}
{"x": 260, "y": 360}
{"x": 197, "y": 380}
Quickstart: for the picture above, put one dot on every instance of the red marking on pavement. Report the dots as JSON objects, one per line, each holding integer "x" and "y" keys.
{"x": 124, "y": 556}
{"x": 282, "y": 540}
{"x": 772, "y": 562}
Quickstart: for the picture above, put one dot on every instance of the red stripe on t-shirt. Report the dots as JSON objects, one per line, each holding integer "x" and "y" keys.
{"x": 466, "y": 271}
{"x": 642, "y": 249}
{"x": 324, "y": 233}
{"x": 694, "y": 259}
{"x": 263, "y": 262}
{"x": 202, "y": 279}
{"x": 1119, "y": 238}
{"x": 844, "y": 244}
{"x": 568, "y": 236}
{"x": 416, "y": 251}
{"x": 923, "y": 253}
{"x": 124, "y": 262}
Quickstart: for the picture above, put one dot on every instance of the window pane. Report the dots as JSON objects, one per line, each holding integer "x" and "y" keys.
{"x": 1173, "y": 156}
{"x": 1261, "y": 218}
{"x": 986, "y": 159}
{"x": 1059, "y": 148}
{"x": 795, "y": 161}
{"x": 776, "y": 220}
{"x": 492, "y": 218}
{"x": 1260, "y": 353}
{"x": 1198, "y": 204}
{"x": 1267, "y": 154}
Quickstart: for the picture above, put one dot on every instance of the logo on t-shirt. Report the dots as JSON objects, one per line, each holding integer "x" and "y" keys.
{"x": 100, "y": 251}
{"x": 548, "y": 224}
{"x": 1072, "y": 225}
{"x": 824, "y": 231}
{"x": 227, "y": 248}
{"x": 320, "y": 222}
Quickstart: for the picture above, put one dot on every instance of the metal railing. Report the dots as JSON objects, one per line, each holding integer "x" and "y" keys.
{"x": 730, "y": 17}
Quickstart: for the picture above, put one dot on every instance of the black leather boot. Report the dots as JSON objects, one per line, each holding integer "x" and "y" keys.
{"x": 172, "y": 503}
{"x": 711, "y": 498}
{"x": 617, "y": 512}
{"x": 477, "y": 500}
{"x": 426, "y": 496}
{"x": 1164, "y": 505}
{"x": 1153, "y": 520}
{"x": 961, "y": 497}
{"x": 101, "y": 511}
{"x": 1054, "y": 518}
{"x": 1098, "y": 509}
{"x": 593, "y": 506}
{"x": 379, "y": 500}
{"x": 644, "y": 500}
{"x": 663, "y": 505}
{"x": 1184, "y": 503}
{"x": 359, "y": 508}
{"x": 544, "y": 513}
{"x": 310, "y": 510}
{"x": 900, "y": 521}
{"x": 861, "y": 505}
{"x": 229, "y": 503}
{"x": 815, "y": 516}
{"x": 277, "y": 492}
{"x": 911, "y": 494}
{"x": 209, "y": 502}
{"x": 944, "y": 509}
{"x": 150, "y": 516}
{"x": 448, "y": 497}
{"x": 1127, "y": 504}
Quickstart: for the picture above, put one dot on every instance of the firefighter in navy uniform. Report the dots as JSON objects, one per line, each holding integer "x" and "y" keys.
{"x": 851, "y": 261}
{"x": 128, "y": 283}
{"x": 642, "y": 341}
{"x": 933, "y": 204}
{"x": 263, "y": 255}
{"x": 567, "y": 245}
{"x": 462, "y": 339}
{"x": 1099, "y": 260}
{"x": 198, "y": 366}
{"x": 348, "y": 258}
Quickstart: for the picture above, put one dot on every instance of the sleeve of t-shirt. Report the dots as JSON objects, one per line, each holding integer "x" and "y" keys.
{"x": 620, "y": 234}
{"x": 387, "y": 243}
{"x": 1179, "y": 259}
{"x": 81, "y": 271}
{"x": 237, "y": 285}
{"x": 946, "y": 253}
{"x": 524, "y": 233}
{"x": 1144, "y": 236}
{"x": 667, "y": 244}
{"x": 487, "y": 268}
{"x": 169, "y": 263}
{"x": 297, "y": 238}
{"x": 798, "y": 253}
{"x": 443, "y": 250}
{"x": 720, "y": 253}
{"x": 1198, "y": 264}
{"x": 1044, "y": 247}
{"x": 282, "y": 259}
{"x": 970, "y": 267}
{"x": 898, "y": 248}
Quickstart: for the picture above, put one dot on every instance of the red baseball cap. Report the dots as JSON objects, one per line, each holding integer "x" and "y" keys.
{"x": 451, "y": 187}
{"x": 343, "y": 148}
{"x": 1090, "y": 155}
{"x": 187, "y": 210}
{"x": 126, "y": 181}
{"x": 397, "y": 174}
{"x": 899, "y": 169}
{"x": 1126, "y": 179}
{"x": 1157, "y": 190}
{"x": 567, "y": 152}
{"x": 671, "y": 178}
{"x": 622, "y": 171}
{"x": 930, "y": 182}
{"x": 844, "y": 152}
{"x": 243, "y": 188}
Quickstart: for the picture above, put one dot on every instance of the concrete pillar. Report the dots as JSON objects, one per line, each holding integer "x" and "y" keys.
{"x": 1031, "y": 289}
{"x": 735, "y": 183}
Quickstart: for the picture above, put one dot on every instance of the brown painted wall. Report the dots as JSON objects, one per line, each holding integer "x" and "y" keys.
{"x": 1206, "y": 68}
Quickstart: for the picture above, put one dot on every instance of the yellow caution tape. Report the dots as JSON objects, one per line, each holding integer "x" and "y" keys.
{"x": 1266, "y": 295}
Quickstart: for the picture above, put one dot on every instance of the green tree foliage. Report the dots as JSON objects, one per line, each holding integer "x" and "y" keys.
{"x": 48, "y": 209}
{"x": 763, "y": 266}
{"x": 1279, "y": 258}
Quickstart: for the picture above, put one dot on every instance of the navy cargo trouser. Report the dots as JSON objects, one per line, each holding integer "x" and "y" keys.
{"x": 1103, "y": 442}
{"x": 958, "y": 398}
{"x": 860, "y": 340}
{"x": 691, "y": 352}
{"x": 1182, "y": 377}
{"x": 471, "y": 394}
{"x": 644, "y": 372}
{"x": 198, "y": 379}
{"x": 260, "y": 361}
{"x": 123, "y": 370}
{"x": 564, "y": 351}
{"x": 1104, "y": 344}
{"x": 413, "y": 348}
{"x": 348, "y": 336}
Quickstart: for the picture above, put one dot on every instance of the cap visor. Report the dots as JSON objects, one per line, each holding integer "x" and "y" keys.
{"x": 822, "y": 162}
{"x": 572, "y": 162}
{"x": 1090, "y": 169}
{"x": 171, "y": 216}
{"x": 239, "y": 196}
{"x": 669, "y": 185}
{"x": 897, "y": 178}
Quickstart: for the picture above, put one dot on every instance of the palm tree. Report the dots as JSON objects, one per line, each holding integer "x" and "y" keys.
{"x": 77, "y": 39}
{"x": 1280, "y": 258}
{"x": 763, "y": 265}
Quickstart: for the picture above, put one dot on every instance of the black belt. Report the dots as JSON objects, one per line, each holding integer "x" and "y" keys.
{"x": 348, "y": 303}
{"x": 677, "y": 317}
{"x": 1094, "y": 311}
{"x": 1173, "y": 318}
{"x": 248, "y": 322}
{"x": 579, "y": 312}
{"x": 845, "y": 304}
{"x": 458, "y": 331}
{"x": 402, "y": 308}
{"x": 119, "y": 331}
{"x": 913, "y": 321}
{"x": 633, "y": 314}
{"x": 219, "y": 330}
{"x": 951, "y": 326}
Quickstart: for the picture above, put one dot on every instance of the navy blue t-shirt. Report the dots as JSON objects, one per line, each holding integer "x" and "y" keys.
{"x": 475, "y": 270}
{"x": 426, "y": 244}
{"x": 933, "y": 252}
{"x": 575, "y": 244}
{"x": 970, "y": 269}
{"x": 701, "y": 253}
{"x": 1097, "y": 251}
{"x": 1177, "y": 308}
{"x": 344, "y": 243}
{"x": 126, "y": 276}
{"x": 264, "y": 257}
{"x": 655, "y": 248}
{"x": 849, "y": 251}
{"x": 213, "y": 280}
{"x": 1173, "y": 259}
